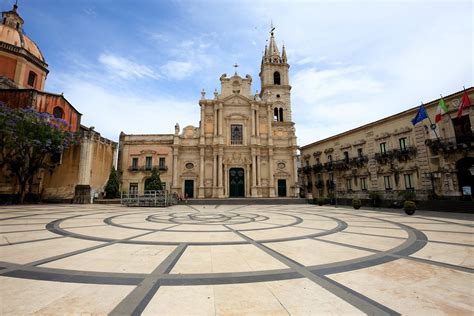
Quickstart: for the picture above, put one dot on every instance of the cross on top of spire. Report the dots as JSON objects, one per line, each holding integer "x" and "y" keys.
{"x": 272, "y": 28}
{"x": 235, "y": 66}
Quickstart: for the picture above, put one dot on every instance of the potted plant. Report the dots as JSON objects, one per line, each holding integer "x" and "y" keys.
{"x": 356, "y": 203}
{"x": 320, "y": 201}
{"x": 409, "y": 207}
{"x": 375, "y": 197}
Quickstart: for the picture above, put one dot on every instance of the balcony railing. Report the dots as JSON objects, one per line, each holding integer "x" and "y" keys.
{"x": 451, "y": 144}
{"x": 147, "y": 168}
{"x": 318, "y": 167}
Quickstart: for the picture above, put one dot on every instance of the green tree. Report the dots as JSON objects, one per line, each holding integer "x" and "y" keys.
{"x": 154, "y": 182}
{"x": 30, "y": 141}
{"x": 112, "y": 187}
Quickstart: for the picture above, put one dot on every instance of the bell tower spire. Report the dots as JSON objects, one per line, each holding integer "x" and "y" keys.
{"x": 274, "y": 80}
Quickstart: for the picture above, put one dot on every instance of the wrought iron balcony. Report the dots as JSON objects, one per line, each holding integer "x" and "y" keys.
{"x": 147, "y": 168}
{"x": 451, "y": 144}
{"x": 318, "y": 167}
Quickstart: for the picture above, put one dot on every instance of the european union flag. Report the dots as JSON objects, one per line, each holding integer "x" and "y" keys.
{"x": 420, "y": 116}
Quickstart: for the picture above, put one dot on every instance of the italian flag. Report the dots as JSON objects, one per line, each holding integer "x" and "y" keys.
{"x": 441, "y": 108}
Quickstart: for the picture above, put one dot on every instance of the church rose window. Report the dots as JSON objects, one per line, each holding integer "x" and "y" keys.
{"x": 189, "y": 165}
{"x": 236, "y": 134}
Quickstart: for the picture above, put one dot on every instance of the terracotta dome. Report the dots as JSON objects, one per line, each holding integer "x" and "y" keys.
{"x": 11, "y": 32}
{"x": 13, "y": 37}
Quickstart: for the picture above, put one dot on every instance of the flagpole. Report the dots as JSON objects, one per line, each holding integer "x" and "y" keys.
{"x": 431, "y": 124}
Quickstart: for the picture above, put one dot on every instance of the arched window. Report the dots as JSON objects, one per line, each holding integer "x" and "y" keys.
{"x": 281, "y": 115}
{"x": 276, "y": 78}
{"x": 58, "y": 112}
{"x": 275, "y": 114}
{"x": 32, "y": 79}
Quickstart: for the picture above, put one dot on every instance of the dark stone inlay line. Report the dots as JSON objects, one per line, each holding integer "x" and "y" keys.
{"x": 76, "y": 252}
{"x": 398, "y": 256}
{"x": 136, "y": 302}
{"x": 55, "y": 228}
{"x": 30, "y": 241}
{"x": 357, "y": 300}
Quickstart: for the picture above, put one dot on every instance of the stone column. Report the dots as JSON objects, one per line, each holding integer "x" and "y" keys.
{"x": 85, "y": 162}
{"x": 203, "y": 122}
{"x": 269, "y": 122}
{"x": 226, "y": 183}
{"x": 201, "y": 175}
{"x": 253, "y": 121}
{"x": 257, "y": 121}
{"x": 271, "y": 183}
{"x": 219, "y": 174}
{"x": 220, "y": 119}
{"x": 247, "y": 181}
{"x": 215, "y": 120}
{"x": 254, "y": 174}
{"x": 175, "y": 168}
{"x": 259, "y": 175}
{"x": 214, "y": 173}
{"x": 295, "y": 174}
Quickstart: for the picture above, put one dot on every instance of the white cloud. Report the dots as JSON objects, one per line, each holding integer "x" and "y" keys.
{"x": 313, "y": 86}
{"x": 125, "y": 68}
{"x": 113, "y": 111}
{"x": 178, "y": 69}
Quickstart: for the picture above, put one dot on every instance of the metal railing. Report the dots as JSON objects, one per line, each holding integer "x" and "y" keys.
{"x": 147, "y": 168}
{"x": 160, "y": 198}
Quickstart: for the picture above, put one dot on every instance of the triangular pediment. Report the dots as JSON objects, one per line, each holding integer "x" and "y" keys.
{"x": 236, "y": 99}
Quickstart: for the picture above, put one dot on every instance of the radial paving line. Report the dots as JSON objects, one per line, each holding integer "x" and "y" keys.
{"x": 138, "y": 299}
{"x": 358, "y": 300}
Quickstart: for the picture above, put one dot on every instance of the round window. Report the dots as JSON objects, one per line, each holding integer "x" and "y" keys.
{"x": 189, "y": 165}
{"x": 281, "y": 165}
{"x": 58, "y": 112}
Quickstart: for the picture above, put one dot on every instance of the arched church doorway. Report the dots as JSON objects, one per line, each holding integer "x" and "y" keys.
{"x": 236, "y": 182}
{"x": 465, "y": 168}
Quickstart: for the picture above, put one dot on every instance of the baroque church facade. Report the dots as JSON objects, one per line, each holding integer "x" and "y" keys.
{"x": 245, "y": 145}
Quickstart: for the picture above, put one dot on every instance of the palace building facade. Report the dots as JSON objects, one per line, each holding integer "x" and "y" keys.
{"x": 244, "y": 146}
{"x": 391, "y": 158}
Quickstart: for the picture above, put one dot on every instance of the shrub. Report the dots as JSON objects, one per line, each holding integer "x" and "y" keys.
{"x": 154, "y": 182}
{"x": 112, "y": 187}
{"x": 320, "y": 201}
{"x": 356, "y": 204}
{"x": 409, "y": 207}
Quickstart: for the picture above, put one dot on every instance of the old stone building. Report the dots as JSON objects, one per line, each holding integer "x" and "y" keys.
{"x": 23, "y": 71}
{"x": 244, "y": 146}
{"x": 386, "y": 158}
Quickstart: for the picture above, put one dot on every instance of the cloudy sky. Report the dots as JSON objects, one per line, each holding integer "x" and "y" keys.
{"x": 139, "y": 66}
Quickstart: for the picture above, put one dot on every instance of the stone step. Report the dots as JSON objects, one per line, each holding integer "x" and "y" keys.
{"x": 245, "y": 201}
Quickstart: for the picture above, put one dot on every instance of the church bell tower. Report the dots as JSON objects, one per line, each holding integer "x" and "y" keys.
{"x": 275, "y": 85}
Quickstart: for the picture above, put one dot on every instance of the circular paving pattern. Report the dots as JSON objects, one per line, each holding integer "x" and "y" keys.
{"x": 266, "y": 228}
{"x": 202, "y": 245}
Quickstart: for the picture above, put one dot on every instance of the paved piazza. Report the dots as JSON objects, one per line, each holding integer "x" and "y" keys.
{"x": 234, "y": 260}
